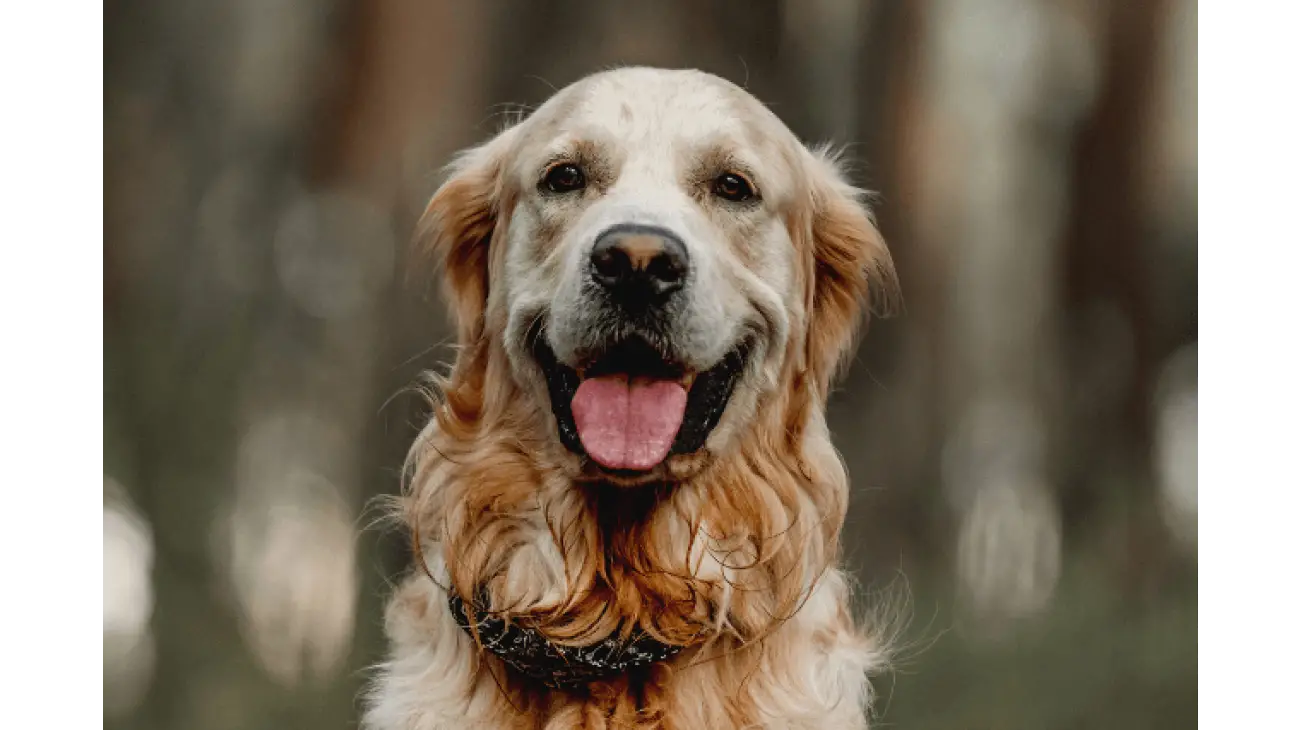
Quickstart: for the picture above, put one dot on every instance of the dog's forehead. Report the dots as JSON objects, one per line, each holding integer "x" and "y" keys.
{"x": 643, "y": 104}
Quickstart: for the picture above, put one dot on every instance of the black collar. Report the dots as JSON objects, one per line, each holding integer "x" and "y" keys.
{"x": 530, "y": 653}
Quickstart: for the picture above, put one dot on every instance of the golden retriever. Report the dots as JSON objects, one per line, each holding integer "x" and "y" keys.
{"x": 626, "y": 508}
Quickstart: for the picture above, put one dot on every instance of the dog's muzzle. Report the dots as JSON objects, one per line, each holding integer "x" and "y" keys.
{"x": 630, "y": 406}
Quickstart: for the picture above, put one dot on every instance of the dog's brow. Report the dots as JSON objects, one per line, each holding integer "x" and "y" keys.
{"x": 721, "y": 155}
{"x": 569, "y": 145}
{"x": 587, "y": 150}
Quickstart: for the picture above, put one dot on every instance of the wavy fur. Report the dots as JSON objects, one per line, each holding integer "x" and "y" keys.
{"x": 738, "y": 562}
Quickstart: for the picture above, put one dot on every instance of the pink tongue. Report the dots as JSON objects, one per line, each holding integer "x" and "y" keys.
{"x": 628, "y": 425}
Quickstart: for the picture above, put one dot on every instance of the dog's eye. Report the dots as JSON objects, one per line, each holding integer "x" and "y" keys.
{"x": 565, "y": 177}
{"x": 732, "y": 187}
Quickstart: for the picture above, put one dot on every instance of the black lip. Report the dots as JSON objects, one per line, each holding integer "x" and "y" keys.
{"x": 705, "y": 403}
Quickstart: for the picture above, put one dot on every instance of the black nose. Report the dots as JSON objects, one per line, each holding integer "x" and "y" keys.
{"x": 639, "y": 265}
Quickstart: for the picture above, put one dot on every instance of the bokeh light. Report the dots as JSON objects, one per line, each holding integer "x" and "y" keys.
{"x": 1175, "y": 443}
{"x": 128, "y": 601}
{"x": 292, "y": 548}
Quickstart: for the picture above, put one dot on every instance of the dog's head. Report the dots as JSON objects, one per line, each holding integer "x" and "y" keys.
{"x": 654, "y": 283}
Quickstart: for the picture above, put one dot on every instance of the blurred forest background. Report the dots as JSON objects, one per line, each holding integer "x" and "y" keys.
{"x": 1022, "y": 441}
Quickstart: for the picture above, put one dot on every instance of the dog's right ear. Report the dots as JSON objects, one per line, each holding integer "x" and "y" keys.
{"x": 457, "y": 228}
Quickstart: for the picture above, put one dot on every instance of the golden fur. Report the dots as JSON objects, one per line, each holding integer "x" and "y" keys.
{"x": 735, "y": 560}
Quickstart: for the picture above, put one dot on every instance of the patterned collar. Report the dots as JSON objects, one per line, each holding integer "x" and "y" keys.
{"x": 530, "y": 653}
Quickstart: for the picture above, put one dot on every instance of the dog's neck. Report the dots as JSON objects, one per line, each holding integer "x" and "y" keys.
{"x": 531, "y": 654}
{"x": 525, "y": 647}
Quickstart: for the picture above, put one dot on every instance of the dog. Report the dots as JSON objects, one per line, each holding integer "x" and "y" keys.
{"x": 626, "y": 507}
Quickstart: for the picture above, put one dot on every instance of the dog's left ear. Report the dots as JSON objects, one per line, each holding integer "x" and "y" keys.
{"x": 853, "y": 273}
{"x": 458, "y": 226}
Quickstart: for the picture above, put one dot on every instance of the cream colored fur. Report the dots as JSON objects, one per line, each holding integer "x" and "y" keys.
{"x": 738, "y": 560}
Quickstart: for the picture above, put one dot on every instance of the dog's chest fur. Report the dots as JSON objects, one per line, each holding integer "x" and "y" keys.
{"x": 811, "y": 672}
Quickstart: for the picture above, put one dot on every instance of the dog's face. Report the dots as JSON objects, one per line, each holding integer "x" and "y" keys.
{"x": 654, "y": 256}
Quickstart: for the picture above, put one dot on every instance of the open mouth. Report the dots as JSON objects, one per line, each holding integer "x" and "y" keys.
{"x": 630, "y": 407}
